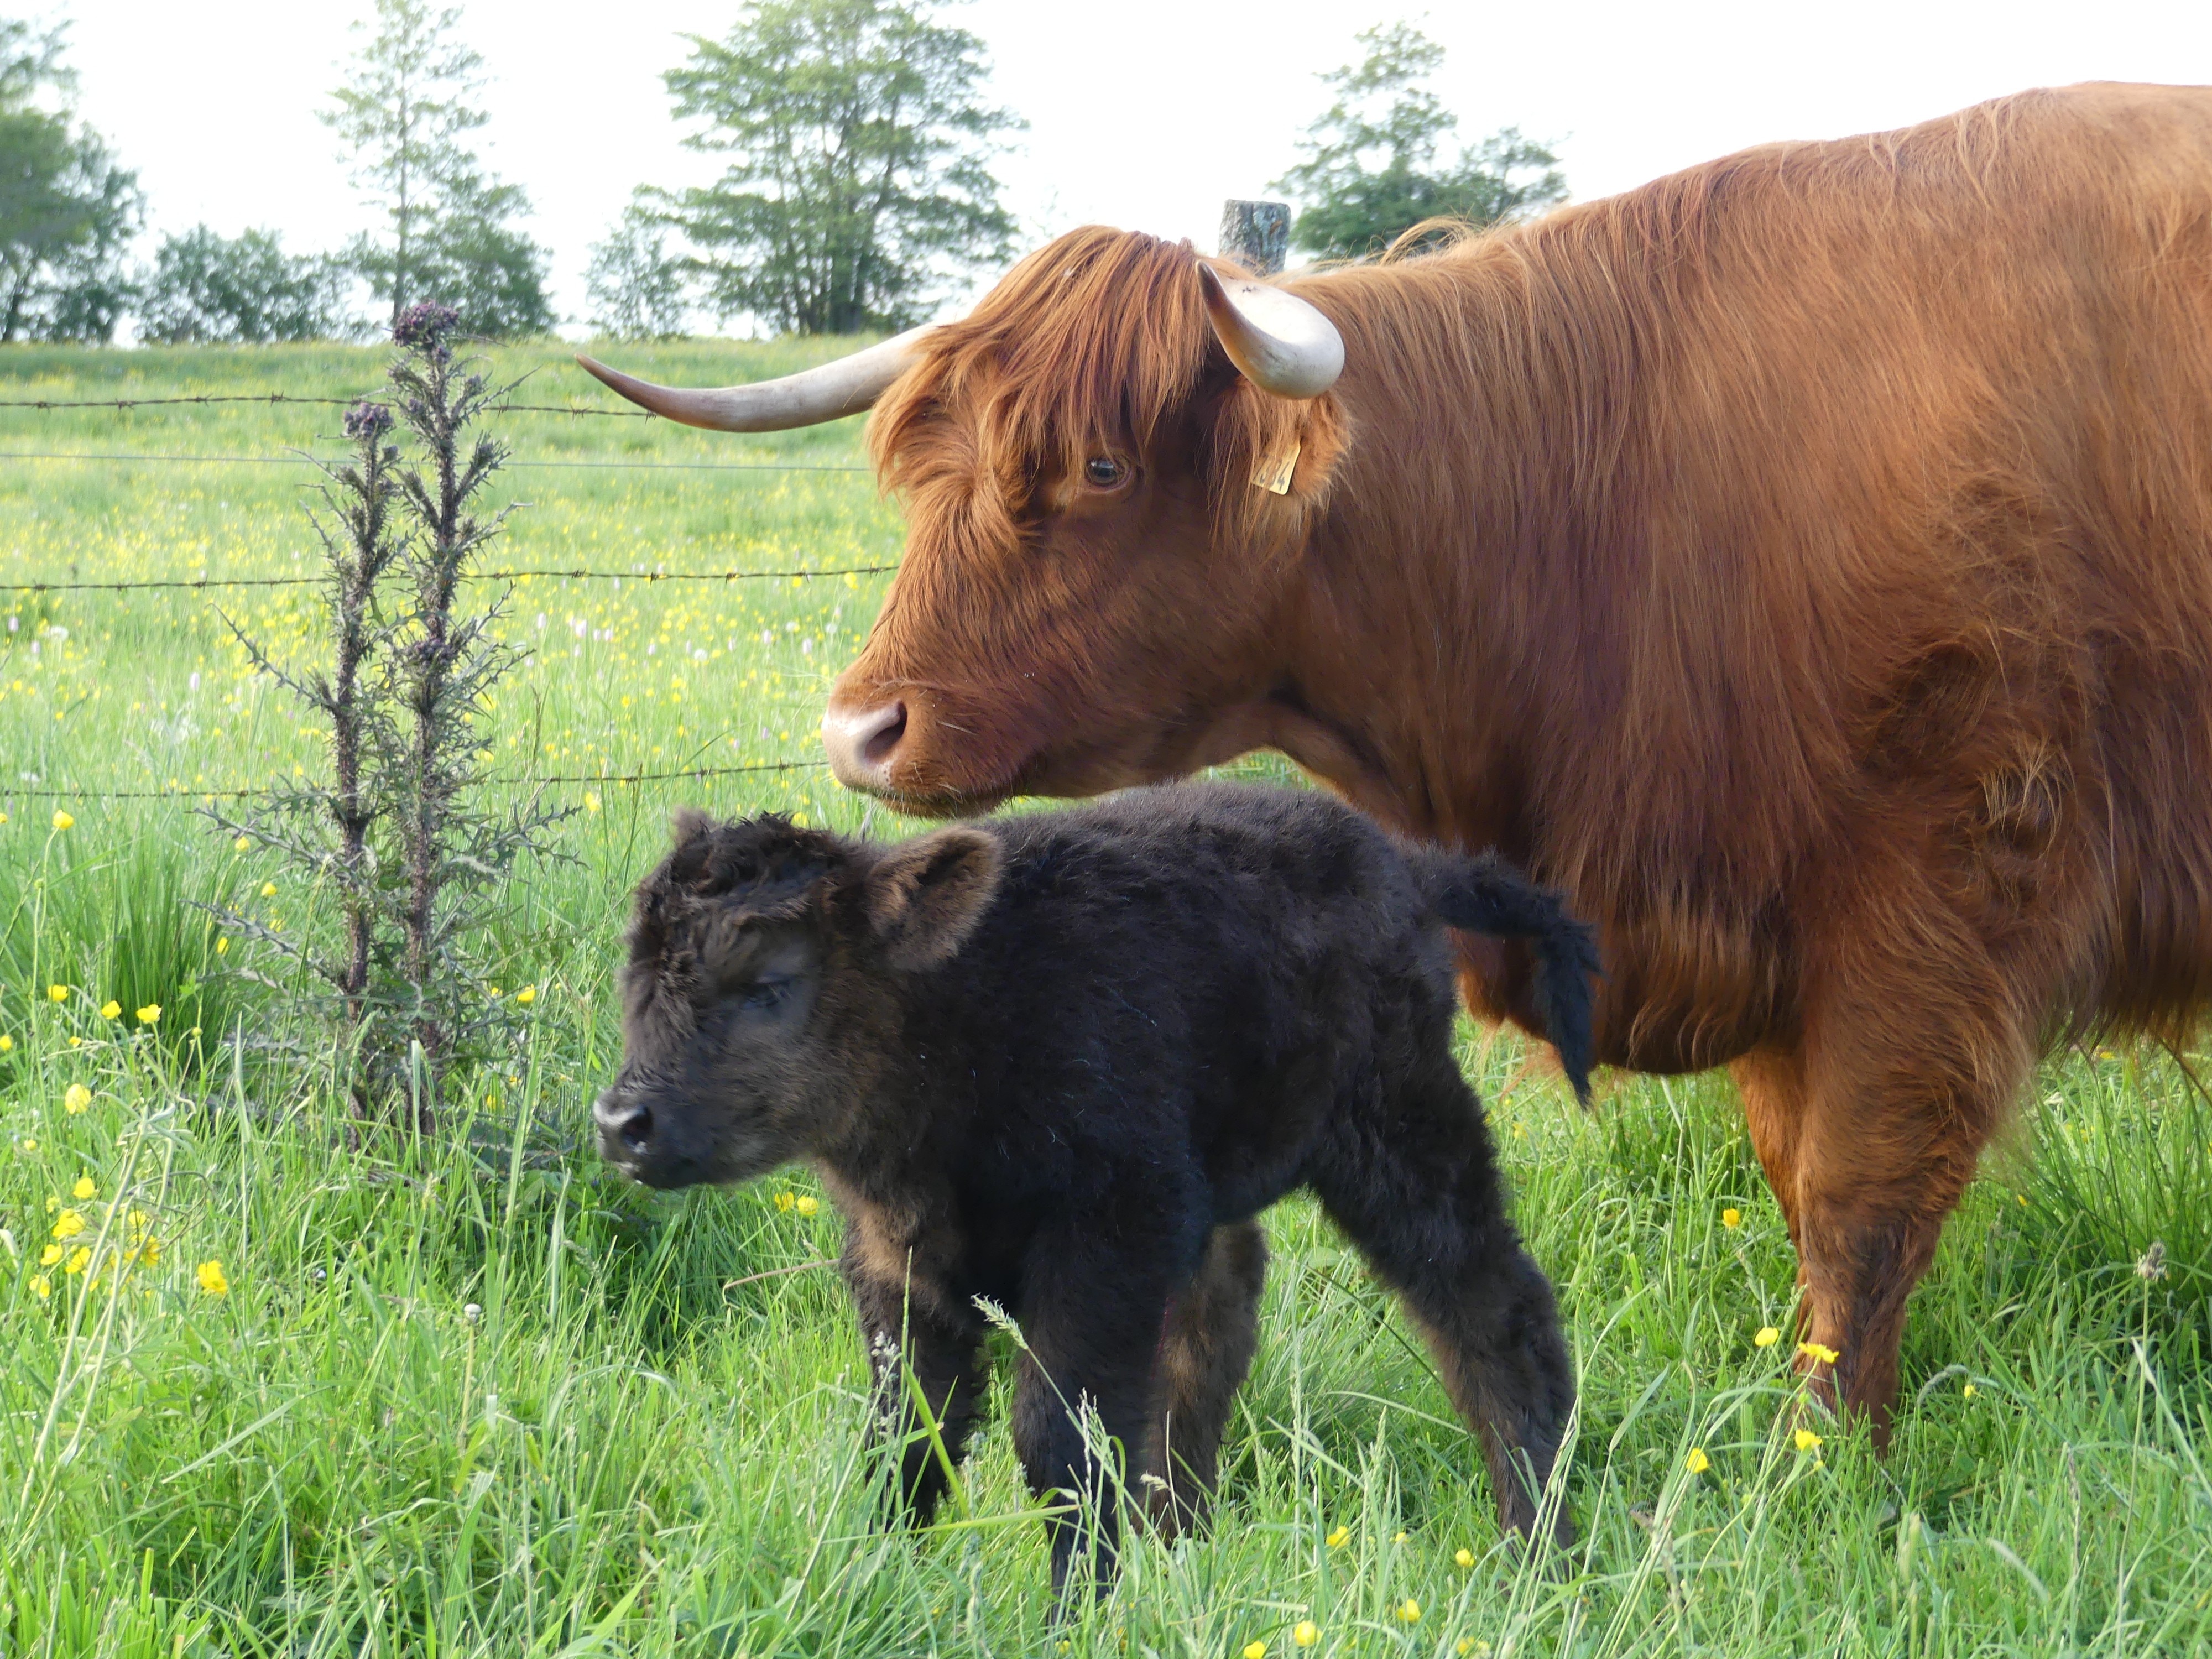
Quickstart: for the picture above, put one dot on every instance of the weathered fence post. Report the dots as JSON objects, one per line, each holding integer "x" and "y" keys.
{"x": 1255, "y": 235}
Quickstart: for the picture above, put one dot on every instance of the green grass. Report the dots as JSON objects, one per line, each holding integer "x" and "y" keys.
{"x": 475, "y": 1395}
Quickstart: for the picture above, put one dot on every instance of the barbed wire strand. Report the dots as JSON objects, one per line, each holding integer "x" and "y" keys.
{"x": 9, "y": 792}
{"x": 333, "y": 460}
{"x": 290, "y": 397}
{"x": 480, "y": 575}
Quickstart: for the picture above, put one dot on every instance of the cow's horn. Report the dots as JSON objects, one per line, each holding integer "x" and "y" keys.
{"x": 1278, "y": 342}
{"x": 807, "y": 398}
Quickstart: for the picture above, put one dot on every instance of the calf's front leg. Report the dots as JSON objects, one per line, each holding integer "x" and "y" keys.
{"x": 1091, "y": 1327}
{"x": 1211, "y": 1331}
{"x": 912, "y": 1328}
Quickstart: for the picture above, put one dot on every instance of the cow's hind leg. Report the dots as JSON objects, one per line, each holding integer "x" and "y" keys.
{"x": 1913, "y": 1047}
{"x": 1413, "y": 1180}
{"x": 1206, "y": 1348}
{"x": 1889, "y": 1142}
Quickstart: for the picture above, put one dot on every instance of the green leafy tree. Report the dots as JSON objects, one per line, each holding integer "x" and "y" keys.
{"x": 204, "y": 287}
{"x": 1372, "y": 169}
{"x": 858, "y": 189}
{"x": 67, "y": 212}
{"x": 638, "y": 289}
{"x": 405, "y": 115}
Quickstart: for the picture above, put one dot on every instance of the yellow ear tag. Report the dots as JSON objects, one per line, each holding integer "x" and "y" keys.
{"x": 1274, "y": 473}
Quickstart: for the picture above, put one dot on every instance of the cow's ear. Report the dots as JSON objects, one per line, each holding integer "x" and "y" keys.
{"x": 1273, "y": 452}
{"x": 924, "y": 896}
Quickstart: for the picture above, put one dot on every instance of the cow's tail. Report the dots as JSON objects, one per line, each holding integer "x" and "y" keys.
{"x": 1485, "y": 895}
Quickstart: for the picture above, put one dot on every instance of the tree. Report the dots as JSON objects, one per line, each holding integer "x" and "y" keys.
{"x": 637, "y": 288}
{"x": 857, "y": 187}
{"x": 405, "y": 115}
{"x": 204, "y": 287}
{"x": 1384, "y": 113}
{"x": 67, "y": 212}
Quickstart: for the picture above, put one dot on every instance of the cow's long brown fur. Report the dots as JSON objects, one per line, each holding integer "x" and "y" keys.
{"x": 1805, "y": 561}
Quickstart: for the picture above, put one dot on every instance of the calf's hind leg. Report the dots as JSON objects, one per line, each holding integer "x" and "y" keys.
{"x": 1413, "y": 1180}
{"x": 1206, "y": 1348}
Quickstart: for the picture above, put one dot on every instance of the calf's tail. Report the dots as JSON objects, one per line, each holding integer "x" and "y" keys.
{"x": 1485, "y": 895}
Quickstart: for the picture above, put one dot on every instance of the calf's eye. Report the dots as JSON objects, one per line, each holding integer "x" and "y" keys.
{"x": 1105, "y": 472}
{"x": 765, "y": 994}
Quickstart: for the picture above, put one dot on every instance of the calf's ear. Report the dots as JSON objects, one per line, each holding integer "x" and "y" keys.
{"x": 924, "y": 896}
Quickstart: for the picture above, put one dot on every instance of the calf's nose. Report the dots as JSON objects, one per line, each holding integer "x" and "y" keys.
{"x": 623, "y": 1126}
{"x": 862, "y": 742}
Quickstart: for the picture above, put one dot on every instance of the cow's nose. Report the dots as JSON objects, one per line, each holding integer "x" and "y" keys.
{"x": 862, "y": 742}
{"x": 622, "y": 1124}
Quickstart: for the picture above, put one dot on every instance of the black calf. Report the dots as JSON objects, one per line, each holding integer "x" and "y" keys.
{"x": 1062, "y": 1063}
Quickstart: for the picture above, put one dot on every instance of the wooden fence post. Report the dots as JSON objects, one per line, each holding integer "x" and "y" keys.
{"x": 1255, "y": 235}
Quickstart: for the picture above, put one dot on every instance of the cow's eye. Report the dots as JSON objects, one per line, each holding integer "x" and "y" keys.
{"x": 1105, "y": 472}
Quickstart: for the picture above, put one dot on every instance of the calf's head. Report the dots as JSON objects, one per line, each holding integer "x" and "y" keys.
{"x": 762, "y": 998}
{"x": 1108, "y": 471}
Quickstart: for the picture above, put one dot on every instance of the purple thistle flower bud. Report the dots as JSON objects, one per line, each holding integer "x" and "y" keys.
{"x": 425, "y": 324}
{"x": 368, "y": 420}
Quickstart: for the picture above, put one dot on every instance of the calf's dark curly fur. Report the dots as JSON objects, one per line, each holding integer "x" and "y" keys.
{"x": 1062, "y": 1063}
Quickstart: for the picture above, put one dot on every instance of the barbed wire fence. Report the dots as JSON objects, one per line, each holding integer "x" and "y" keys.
{"x": 12, "y": 792}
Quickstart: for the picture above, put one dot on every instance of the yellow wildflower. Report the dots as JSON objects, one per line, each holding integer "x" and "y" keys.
{"x": 1731, "y": 1218}
{"x": 63, "y": 820}
{"x": 58, "y": 993}
{"x": 495, "y": 993}
{"x": 241, "y": 843}
{"x": 591, "y": 802}
{"x": 1767, "y": 1337}
{"x": 149, "y": 1014}
{"x": 150, "y": 1250}
{"x": 1397, "y": 1537}
{"x": 1697, "y": 1461}
{"x": 222, "y": 946}
{"x": 50, "y": 1254}
{"x": 68, "y": 1224}
{"x": 7, "y": 1043}
{"x": 1255, "y": 1650}
{"x": 1463, "y": 1556}
{"x": 78, "y": 1257}
{"x": 84, "y": 1188}
{"x": 1819, "y": 1352}
{"x": 210, "y": 1275}
{"x": 29, "y": 1145}
{"x": 1808, "y": 1441}
{"x": 1470, "y": 1648}
{"x": 1410, "y": 1610}
{"x": 1305, "y": 1632}
{"x": 784, "y": 1202}
{"x": 111, "y": 1009}
{"x": 1968, "y": 1392}
{"x": 526, "y": 995}
{"x": 1340, "y": 1538}
{"x": 269, "y": 889}
{"x": 76, "y": 1042}
{"x": 41, "y": 1287}
{"x": 808, "y": 1204}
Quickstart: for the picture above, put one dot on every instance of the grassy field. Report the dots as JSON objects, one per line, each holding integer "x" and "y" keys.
{"x": 476, "y": 1395}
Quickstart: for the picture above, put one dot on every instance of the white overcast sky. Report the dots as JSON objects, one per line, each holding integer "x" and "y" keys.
{"x": 1143, "y": 114}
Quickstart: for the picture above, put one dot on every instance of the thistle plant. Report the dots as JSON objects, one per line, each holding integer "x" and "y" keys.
{"x": 400, "y": 833}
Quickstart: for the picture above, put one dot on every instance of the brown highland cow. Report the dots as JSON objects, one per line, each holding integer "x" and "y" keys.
{"x": 1804, "y": 562}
